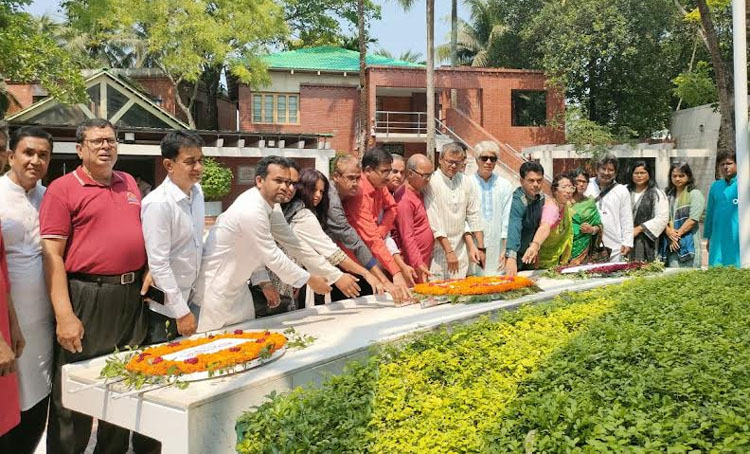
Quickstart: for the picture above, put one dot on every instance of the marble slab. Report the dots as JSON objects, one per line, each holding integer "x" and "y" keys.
{"x": 201, "y": 418}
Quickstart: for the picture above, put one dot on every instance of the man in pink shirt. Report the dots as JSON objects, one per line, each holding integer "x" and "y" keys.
{"x": 363, "y": 211}
{"x": 412, "y": 229}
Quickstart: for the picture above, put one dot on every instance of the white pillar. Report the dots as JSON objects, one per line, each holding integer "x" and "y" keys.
{"x": 741, "y": 127}
{"x": 661, "y": 168}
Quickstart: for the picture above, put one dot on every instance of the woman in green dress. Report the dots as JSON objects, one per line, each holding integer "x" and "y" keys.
{"x": 587, "y": 224}
{"x": 553, "y": 240}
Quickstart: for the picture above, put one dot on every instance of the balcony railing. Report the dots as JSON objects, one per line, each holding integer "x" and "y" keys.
{"x": 393, "y": 122}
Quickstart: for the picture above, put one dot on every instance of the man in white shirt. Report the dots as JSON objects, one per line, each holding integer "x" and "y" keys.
{"x": 613, "y": 201}
{"x": 240, "y": 243}
{"x": 172, "y": 217}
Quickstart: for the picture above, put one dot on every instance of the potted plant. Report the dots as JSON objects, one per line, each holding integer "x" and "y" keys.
{"x": 216, "y": 183}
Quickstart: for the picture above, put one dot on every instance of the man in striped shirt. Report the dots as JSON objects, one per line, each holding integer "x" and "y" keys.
{"x": 452, "y": 203}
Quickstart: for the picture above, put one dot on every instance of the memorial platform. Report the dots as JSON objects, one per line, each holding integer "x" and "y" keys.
{"x": 201, "y": 418}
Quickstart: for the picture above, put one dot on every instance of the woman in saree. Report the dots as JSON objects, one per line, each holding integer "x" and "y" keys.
{"x": 650, "y": 213}
{"x": 553, "y": 240}
{"x": 681, "y": 242}
{"x": 587, "y": 224}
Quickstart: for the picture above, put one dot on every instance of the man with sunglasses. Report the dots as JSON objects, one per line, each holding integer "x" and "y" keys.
{"x": 452, "y": 204}
{"x": 496, "y": 195}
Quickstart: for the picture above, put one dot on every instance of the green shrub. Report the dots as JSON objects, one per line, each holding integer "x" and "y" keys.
{"x": 216, "y": 181}
{"x": 653, "y": 365}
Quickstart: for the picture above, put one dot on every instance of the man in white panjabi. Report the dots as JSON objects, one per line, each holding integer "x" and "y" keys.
{"x": 240, "y": 243}
{"x": 20, "y": 197}
{"x": 495, "y": 195}
{"x": 452, "y": 205}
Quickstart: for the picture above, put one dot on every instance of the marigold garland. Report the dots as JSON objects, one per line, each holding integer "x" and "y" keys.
{"x": 151, "y": 361}
{"x": 474, "y": 285}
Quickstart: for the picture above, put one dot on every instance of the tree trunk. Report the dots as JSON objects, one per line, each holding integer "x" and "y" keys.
{"x": 431, "y": 80}
{"x": 724, "y": 78}
{"x": 364, "y": 112}
{"x": 454, "y": 33}
{"x": 211, "y": 78}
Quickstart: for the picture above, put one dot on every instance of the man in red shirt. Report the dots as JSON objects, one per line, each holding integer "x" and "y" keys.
{"x": 412, "y": 228}
{"x": 364, "y": 209}
{"x": 94, "y": 256}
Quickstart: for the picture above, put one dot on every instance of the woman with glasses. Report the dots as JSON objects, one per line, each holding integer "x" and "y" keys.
{"x": 553, "y": 240}
{"x": 496, "y": 194}
{"x": 650, "y": 212}
{"x": 681, "y": 243}
{"x": 307, "y": 213}
{"x": 587, "y": 224}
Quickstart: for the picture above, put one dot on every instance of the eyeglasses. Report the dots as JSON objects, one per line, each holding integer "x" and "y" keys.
{"x": 98, "y": 143}
{"x": 425, "y": 176}
{"x": 450, "y": 163}
{"x": 488, "y": 158}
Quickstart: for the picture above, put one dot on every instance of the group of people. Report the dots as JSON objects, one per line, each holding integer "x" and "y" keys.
{"x": 89, "y": 265}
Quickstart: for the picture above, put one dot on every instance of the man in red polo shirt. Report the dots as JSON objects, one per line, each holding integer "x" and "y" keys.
{"x": 94, "y": 256}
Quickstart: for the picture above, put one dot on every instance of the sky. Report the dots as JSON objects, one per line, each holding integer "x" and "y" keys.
{"x": 397, "y": 31}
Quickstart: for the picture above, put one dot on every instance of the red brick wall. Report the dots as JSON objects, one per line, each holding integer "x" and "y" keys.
{"x": 398, "y": 123}
{"x": 227, "y": 115}
{"x": 23, "y": 94}
{"x": 324, "y": 109}
{"x": 161, "y": 86}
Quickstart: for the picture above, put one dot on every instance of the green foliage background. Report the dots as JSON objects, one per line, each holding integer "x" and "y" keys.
{"x": 653, "y": 365}
{"x": 217, "y": 179}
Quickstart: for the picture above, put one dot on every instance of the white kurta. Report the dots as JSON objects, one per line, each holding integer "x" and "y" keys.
{"x": 617, "y": 217}
{"x": 496, "y": 196}
{"x": 19, "y": 217}
{"x": 451, "y": 205}
{"x": 238, "y": 244}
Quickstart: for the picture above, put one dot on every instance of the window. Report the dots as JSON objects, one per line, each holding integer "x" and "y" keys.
{"x": 528, "y": 107}
{"x": 275, "y": 108}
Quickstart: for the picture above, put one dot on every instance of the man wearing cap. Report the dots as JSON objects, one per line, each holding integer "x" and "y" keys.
{"x": 94, "y": 257}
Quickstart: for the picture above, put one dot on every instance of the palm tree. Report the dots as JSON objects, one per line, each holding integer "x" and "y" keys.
{"x": 409, "y": 55}
{"x": 474, "y": 40}
{"x": 430, "y": 70}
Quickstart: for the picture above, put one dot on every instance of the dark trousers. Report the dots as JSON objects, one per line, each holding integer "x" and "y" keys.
{"x": 24, "y": 438}
{"x": 336, "y": 294}
{"x": 261, "y": 303}
{"x": 160, "y": 328}
{"x": 113, "y": 316}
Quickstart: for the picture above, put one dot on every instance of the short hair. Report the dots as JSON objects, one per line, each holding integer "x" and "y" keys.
{"x": 726, "y": 154}
{"x": 487, "y": 146}
{"x": 607, "y": 159}
{"x": 91, "y": 123}
{"x": 375, "y": 157}
{"x": 575, "y": 173}
{"x": 683, "y": 167}
{"x": 174, "y": 140}
{"x": 397, "y": 157}
{"x": 556, "y": 181}
{"x": 636, "y": 164}
{"x": 453, "y": 148}
{"x": 29, "y": 131}
{"x": 530, "y": 166}
{"x": 261, "y": 169}
{"x": 340, "y": 160}
{"x": 293, "y": 164}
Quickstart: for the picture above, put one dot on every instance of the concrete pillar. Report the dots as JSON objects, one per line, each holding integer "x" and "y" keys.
{"x": 661, "y": 168}
{"x": 547, "y": 163}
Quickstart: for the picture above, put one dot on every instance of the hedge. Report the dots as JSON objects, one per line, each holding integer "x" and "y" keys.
{"x": 652, "y": 365}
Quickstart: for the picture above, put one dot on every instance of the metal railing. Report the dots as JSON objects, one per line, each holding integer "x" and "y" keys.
{"x": 456, "y": 137}
{"x": 393, "y": 122}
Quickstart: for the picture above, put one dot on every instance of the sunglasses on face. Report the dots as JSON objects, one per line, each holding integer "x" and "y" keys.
{"x": 488, "y": 158}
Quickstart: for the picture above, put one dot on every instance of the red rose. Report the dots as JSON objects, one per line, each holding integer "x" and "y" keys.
{"x": 234, "y": 349}
{"x": 238, "y": 331}
{"x": 192, "y": 360}
{"x": 157, "y": 360}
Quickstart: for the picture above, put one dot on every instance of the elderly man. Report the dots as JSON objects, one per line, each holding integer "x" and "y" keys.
{"x": 372, "y": 212}
{"x": 398, "y": 173}
{"x": 94, "y": 255}
{"x": 525, "y": 217}
{"x": 240, "y": 243}
{"x": 614, "y": 204}
{"x": 496, "y": 194}
{"x": 452, "y": 203}
{"x": 412, "y": 225}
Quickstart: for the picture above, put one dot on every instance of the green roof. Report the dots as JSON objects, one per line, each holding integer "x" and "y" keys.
{"x": 329, "y": 58}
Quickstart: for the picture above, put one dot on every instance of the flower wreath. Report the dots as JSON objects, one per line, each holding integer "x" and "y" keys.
{"x": 152, "y": 362}
{"x": 473, "y": 285}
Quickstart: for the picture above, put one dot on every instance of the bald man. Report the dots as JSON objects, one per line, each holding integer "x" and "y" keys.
{"x": 412, "y": 230}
